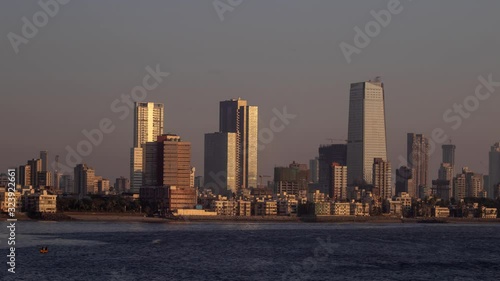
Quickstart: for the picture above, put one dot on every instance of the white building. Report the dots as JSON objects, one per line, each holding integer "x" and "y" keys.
{"x": 367, "y": 130}
{"x": 148, "y": 125}
{"x": 339, "y": 182}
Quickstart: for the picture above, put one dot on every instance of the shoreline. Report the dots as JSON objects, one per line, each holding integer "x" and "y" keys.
{"x": 127, "y": 217}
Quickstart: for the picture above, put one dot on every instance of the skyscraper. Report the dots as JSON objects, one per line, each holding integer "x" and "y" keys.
{"x": 314, "y": 170}
{"x": 235, "y": 116}
{"x": 84, "y": 180}
{"x": 148, "y": 125}
{"x": 35, "y": 167}
{"x": 367, "y": 130}
{"x": 44, "y": 157}
{"x": 329, "y": 154}
{"x": 339, "y": 182}
{"x": 382, "y": 178}
{"x": 449, "y": 154}
{"x": 220, "y": 163}
{"x": 494, "y": 167}
{"x": 418, "y": 159}
{"x": 446, "y": 174}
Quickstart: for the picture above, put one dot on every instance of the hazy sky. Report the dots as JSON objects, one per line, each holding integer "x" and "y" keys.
{"x": 272, "y": 53}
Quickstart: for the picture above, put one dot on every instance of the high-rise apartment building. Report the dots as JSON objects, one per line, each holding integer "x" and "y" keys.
{"x": 339, "y": 182}
{"x": 367, "y": 130}
{"x": 446, "y": 173}
{"x": 449, "y": 154}
{"x": 24, "y": 175}
{"x": 44, "y": 157}
{"x": 235, "y": 116}
{"x": 84, "y": 180}
{"x": 35, "y": 167}
{"x": 494, "y": 170}
{"x": 148, "y": 125}
{"x": 314, "y": 170}
{"x": 220, "y": 163}
{"x": 382, "y": 178}
{"x": 418, "y": 158}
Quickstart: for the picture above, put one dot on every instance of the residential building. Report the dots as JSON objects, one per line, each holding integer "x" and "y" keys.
{"x": 148, "y": 125}
{"x": 339, "y": 182}
{"x": 314, "y": 170}
{"x": 41, "y": 202}
{"x": 418, "y": 159}
{"x": 382, "y": 178}
{"x": 266, "y": 208}
{"x": 4, "y": 200}
{"x": 291, "y": 180}
{"x": 84, "y": 180}
{"x": 236, "y": 116}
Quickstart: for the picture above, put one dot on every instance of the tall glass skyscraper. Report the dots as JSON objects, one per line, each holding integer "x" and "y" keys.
{"x": 367, "y": 130}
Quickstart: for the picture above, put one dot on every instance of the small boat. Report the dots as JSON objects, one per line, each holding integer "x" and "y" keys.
{"x": 44, "y": 250}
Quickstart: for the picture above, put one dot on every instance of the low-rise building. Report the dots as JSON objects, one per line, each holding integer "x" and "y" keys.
{"x": 359, "y": 209}
{"x": 244, "y": 208}
{"x": 41, "y": 202}
{"x": 440, "y": 212}
{"x": 489, "y": 213}
{"x": 341, "y": 209}
{"x": 193, "y": 212}
{"x": 4, "y": 200}
{"x": 266, "y": 208}
{"x": 322, "y": 208}
{"x": 224, "y": 207}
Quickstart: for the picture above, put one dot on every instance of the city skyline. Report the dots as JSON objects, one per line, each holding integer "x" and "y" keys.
{"x": 310, "y": 80}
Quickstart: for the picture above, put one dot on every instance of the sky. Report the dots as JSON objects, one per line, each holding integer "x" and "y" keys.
{"x": 275, "y": 54}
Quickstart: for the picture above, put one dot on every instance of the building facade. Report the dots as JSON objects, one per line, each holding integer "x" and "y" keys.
{"x": 148, "y": 125}
{"x": 382, "y": 178}
{"x": 367, "y": 130}
{"x": 418, "y": 158}
{"x": 494, "y": 169}
{"x": 220, "y": 163}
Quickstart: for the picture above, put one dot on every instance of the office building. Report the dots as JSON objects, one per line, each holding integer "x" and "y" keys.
{"x": 148, "y": 125}
{"x": 220, "y": 163}
{"x": 235, "y": 116}
{"x": 418, "y": 158}
{"x": 168, "y": 162}
{"x": 367, "y": 130}
{"x": 382, "y": 178}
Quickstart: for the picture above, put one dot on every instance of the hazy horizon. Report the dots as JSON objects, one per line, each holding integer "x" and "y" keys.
{"x": 274, "y": 54}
